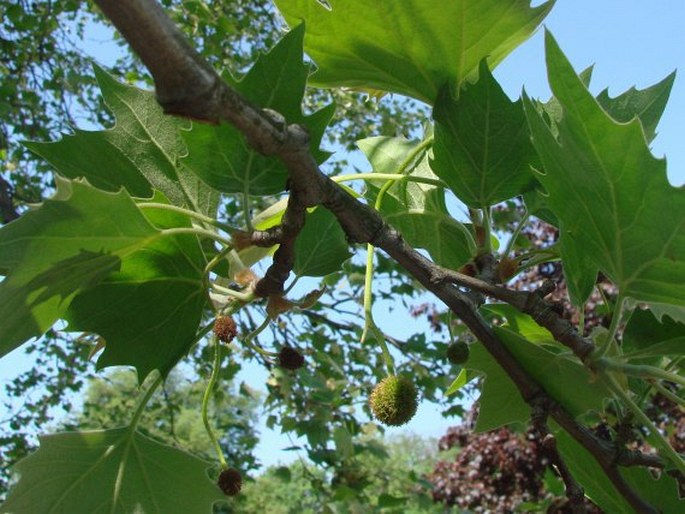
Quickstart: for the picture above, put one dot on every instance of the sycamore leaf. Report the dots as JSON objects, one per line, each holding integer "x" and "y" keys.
{"x": 412, "y": 47}
{"x": 662, "y": 493}
{"x": 93, "y": 258}
{"x": 141, "y": 152}
{"x": 611, "y": 195}
{"x": 321, "y": 247}
{"x": 221, "y": 156}
{"x": 416, "y": 209}
{"x": 149, "y": 311}
{"x": 647, "y": 337}
{"x": 520, "y": 323}
{"x": 645, "y": 104}
{"x": 69, "y": 243}
{"x": 482, "y": 143}
{"x": 116, "y": 471}
{"x": 500, "y": 401}
{"x": 580, "y": 271}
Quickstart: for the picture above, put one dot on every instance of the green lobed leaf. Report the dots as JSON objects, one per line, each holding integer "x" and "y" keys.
{"x": 141, "y": 152}
{"x": 646, "y": 336}
{"x": 662, "y": 493}
{"x": 482, "y": 143}
{"x": 609, "y": 192}
{"x": 412, "y": 47}
{"x": 149, "y": 311}
{"x": 501, "y": 403}
{"x": 321, "y": 247}
{"x": 417, "y": 210}
{"x": 580, "y": 271}
{"x": 221, "y": 156}
{"x": 69, "y": 243}
{"x": 520, "y": 323}
{"x": 116, "y": 471}
{"x": 645, "y": 104}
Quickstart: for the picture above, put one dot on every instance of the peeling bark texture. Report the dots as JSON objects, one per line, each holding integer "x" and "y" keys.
{"x": 189, "y": 87}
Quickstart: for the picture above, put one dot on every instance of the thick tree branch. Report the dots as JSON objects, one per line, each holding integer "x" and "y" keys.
{"x": 187, "y": 86}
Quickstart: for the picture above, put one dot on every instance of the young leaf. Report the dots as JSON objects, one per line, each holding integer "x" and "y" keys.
{"x": 610, "y": 194}
{"x": 482, "y": 143}
{"x": 117, "y": 471}
{"x": 411, "y": 47}
{"x": 220, "y": 155}
{"x": 321, "y": 247}
{"x": 51, "y": 253}
{"x": 140, "y": 152}
{"x": 416, "y": 209}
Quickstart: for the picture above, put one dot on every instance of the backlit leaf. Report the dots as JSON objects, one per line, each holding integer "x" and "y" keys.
{"x": 116, "y": 472}
{"x": 221, "y": 156}
{"x": 149, "y": 311}
{"x": 412, "y": 47}
{"x": 69, "y": 243}
{"x": 611, "y": 195}
{"x": 482, "y": 143}
{"x": 141, "y": 152}
{"x": 500, "y": 401}
{"x": 416, "y": 209}
{"x": 321, "y": 247}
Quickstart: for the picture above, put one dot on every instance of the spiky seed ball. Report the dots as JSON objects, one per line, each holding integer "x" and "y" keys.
{"x": 290, "y": 358}
{"x": 394, "y": 400}
{"x": 225, "y": 328}
{"x": 458, "y": 352}
{"x": 230, "y": 481}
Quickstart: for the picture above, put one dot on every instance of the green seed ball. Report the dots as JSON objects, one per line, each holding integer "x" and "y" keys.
{"x": 394, "y": 400}
{"x": 458, "y": 353}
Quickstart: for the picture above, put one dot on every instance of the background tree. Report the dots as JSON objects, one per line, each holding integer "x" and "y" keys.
{"x": 172, "y": 413}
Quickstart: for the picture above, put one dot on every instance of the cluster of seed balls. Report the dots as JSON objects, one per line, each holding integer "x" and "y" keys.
{"x": 393, "y": 401}
{"x": 225, "y": 329}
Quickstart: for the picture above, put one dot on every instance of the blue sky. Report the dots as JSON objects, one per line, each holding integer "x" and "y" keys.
{"x": 630, "y": 42}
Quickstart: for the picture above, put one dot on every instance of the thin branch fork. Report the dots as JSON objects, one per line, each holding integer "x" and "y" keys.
{"x": 187, "y": 86}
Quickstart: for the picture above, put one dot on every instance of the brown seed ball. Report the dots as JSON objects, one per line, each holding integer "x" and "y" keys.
{"x": 230, "y": 481}
{"x": 225, "y": 328}
{"x": 289, "y": 358}
{"x": 458, "y": 352}
{"x": 394, "y": 400}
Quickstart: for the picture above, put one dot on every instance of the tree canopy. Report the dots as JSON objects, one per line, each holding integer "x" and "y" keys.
{"x": 200, "y": 227}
